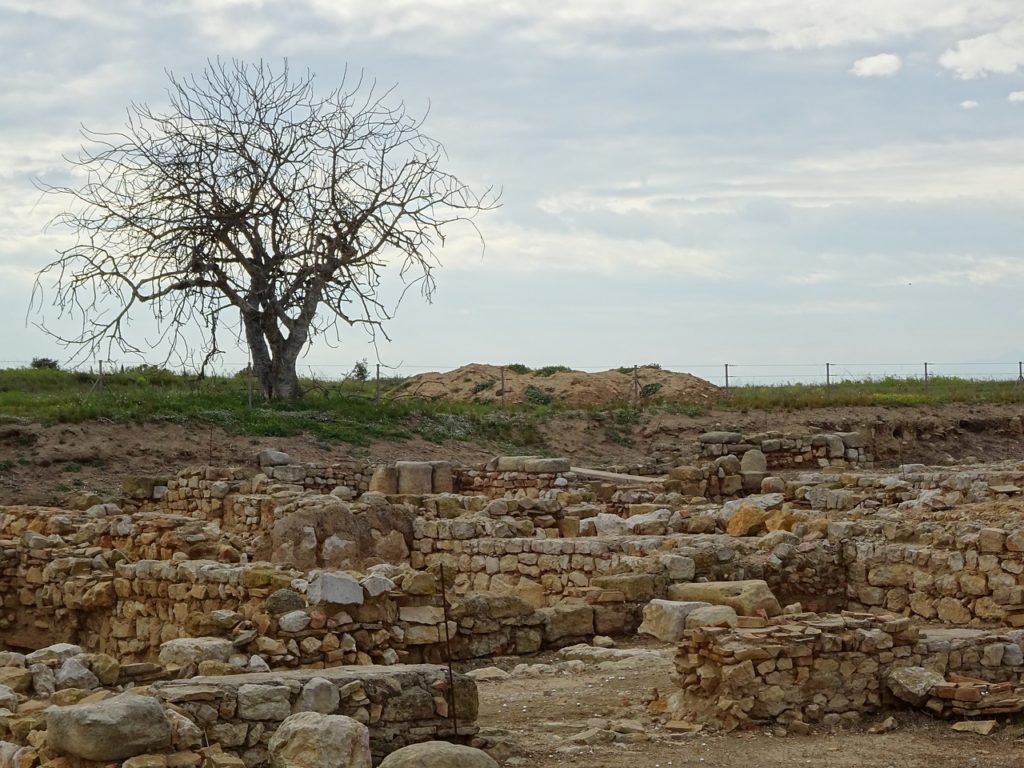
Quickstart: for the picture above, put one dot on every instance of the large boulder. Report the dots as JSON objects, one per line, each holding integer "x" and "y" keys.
{"x": 666, "y": 619}
{"x": 110, "y": 730}
{"x": 747, "y": 598}
{"x": 438, "y": 754}
{"x": 315, "y": 740}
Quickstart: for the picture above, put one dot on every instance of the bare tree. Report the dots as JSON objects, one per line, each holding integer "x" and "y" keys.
{"x": 252, "y": 194}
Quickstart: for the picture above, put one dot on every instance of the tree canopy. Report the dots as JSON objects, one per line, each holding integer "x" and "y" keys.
{"x": 251, "y": 206}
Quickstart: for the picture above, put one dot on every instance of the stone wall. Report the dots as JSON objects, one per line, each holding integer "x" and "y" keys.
{"x": 790, "y": 451}
{"x": 806, "y": 669}
{"x": 803, "y": 670}
{"x": 959, "y": 572}
{"x": 399, "y": 704}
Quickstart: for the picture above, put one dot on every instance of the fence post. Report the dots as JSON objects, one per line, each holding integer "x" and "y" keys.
{"x": 376, "y": 393}
{"x": 926, "y": 374}
{"x": 636, "y": 384}
{"x": 503, "y": 386}
{"x": 828, "y": 375}
{"x": 726, "y": 377}
{"x": 1020, "y": 373}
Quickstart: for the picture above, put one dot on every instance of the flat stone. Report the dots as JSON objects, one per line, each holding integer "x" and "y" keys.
{"x": 438, "y": 754}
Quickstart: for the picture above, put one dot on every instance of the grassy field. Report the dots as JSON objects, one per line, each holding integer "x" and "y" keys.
{"x": 346, "y": 411}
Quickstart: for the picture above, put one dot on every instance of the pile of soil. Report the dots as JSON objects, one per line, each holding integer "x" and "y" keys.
{"x": 483, "y": 384}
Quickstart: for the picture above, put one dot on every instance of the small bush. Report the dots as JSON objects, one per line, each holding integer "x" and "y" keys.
{"x": 361, "y": 371}
{"x": 45, "y": 362}
{"x": 650, "y": 389}
{"x": 537, "y": 396}
{"x": 551, "y": 370}
{"x": 519, "y": 368}
{"x": 483, "y": 386}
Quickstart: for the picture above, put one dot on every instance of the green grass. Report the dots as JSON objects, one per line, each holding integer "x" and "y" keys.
{"x": 332, "y": 411}
{"x": 888, "y": 391}
{"x": 345, "y": 412}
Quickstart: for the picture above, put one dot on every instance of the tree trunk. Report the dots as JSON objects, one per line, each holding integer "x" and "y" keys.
{"x": 274, "y": 363}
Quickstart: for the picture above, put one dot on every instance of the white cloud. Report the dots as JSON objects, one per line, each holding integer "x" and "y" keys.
{"x": 511, "y": 247}
{"x": 997, "y": 52}
{"x": 969, "y": 104}
{"x": 881, "y": 65}
{"x": 1016, "y": 97}
{"x": 974, "y": 270}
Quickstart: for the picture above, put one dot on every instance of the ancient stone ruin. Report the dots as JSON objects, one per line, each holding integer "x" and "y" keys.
{"x": 287, "y": 614}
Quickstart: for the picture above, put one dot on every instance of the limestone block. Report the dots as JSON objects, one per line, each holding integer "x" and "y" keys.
{"x": 183, "y": 651}
{"x": 110, "y": 730}
{"x": 747, "y": 598}
{"x": 637, "y": 587}
{"x": 318, "y": 695}
{"x": 384, "y": 480}
{"x": 74, "y": 674}
{"x": 720, "y": 438}
{"x": 746, "y": 520}
{"x": 336, "y": 589}
{"x": 263, "y": 702}
{"x": 442, "y": 478}
{"x": 753, "y": 461}
{"x": 315, "y": 740}
{"x": 912, "y": 684}
{"x": 268, "y": 457}
{"x": 415, "y": 478}
{"x": 567, "y": 620}
{"x": 711, "y": 616}
{"x": 666, "y": 619}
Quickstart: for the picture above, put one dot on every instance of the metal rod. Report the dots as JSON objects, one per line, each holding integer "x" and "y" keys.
{"x": 448, "y": 651}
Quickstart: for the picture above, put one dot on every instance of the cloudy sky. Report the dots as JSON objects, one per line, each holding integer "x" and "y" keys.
{"x": 691, "y": 182}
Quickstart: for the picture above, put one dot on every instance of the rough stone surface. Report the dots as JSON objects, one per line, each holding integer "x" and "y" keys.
{"x": 113, "y": 729}
{"x": 314, "y": 740}
{"x": 747, "y": 598}
{"x": 192, "y": 650}
{"x": 666, "y": 619}
{"x": 438, "y": 754}
{"x": 335, "y": 588}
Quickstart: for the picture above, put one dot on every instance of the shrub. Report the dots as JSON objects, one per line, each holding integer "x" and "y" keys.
{"x": 537, "y": 396}
{"x": 483, "y": 386}
{"x": 650, "y": 389}
{"x": 45, "y": 362}
{"x": 551, "y": 370}
{"x": 518, "y": 368}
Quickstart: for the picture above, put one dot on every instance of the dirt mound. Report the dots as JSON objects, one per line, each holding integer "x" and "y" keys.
{"x": 562, "y": 386}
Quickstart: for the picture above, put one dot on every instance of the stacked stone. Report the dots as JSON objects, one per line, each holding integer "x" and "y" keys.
{"x": 789, "y": 451}
{"x": 988, "y": 655}
{"x": 966, "y": 697}
{"x": 958, "y": 572}
{"x": 515, "y": 477}
{"x": 226, "y": 721}
{"x": 317, "y": 477}
{"x": 400, "y": 704}
{"x": 799, "y": 669}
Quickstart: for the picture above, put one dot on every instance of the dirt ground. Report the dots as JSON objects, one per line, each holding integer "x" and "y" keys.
{"x": 52, "y": 464}
{"x": 542, "y": 714}
{"x": 483, "y": 383}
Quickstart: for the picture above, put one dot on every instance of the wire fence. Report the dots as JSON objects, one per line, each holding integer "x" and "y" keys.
{"x": 727, "y": 375}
